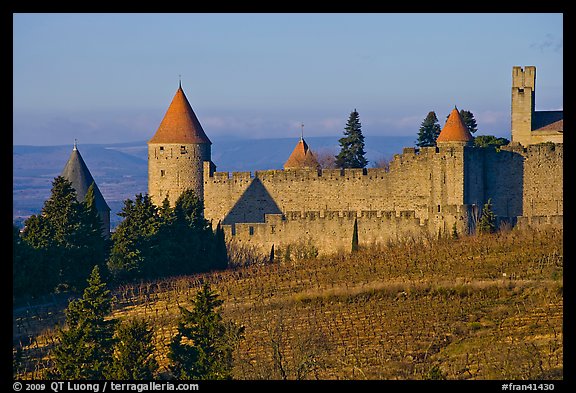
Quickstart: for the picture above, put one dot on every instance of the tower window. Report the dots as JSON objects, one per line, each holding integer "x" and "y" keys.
{"x": 251, "y": 230}
{"x": 182, "y": 149}
{"x": 438, "y": 208}
{"x": 161, "y": 148}
{"x": 520, "y": 90}
{"x": 162, "y": 172}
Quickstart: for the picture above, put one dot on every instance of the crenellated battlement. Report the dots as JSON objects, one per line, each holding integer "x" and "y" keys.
{"x": 408, "y": 157}
{"x": 329, "y": 230}
{"x": 547, "y": 148}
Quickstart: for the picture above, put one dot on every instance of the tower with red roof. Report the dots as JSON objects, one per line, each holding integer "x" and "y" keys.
{"x": 177, "y": 152}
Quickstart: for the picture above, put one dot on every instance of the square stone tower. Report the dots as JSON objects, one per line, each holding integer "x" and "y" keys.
{"x": 523, "y": 98}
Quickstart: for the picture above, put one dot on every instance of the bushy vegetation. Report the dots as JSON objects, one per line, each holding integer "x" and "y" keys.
{"x": 475, "y": 307}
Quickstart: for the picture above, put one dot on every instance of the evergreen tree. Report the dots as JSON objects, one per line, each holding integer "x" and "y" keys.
{"x": 136, "y": 241}
{"x": 454, "y": 231}
{"x": 93, "y": 237}
{"x": 68, "y": 236}
{"x": 429, "y": 131}
{"x": 220, "y": 253}
{"x": 204, "y": 344}
{"x": 134, "y": 352}
{"x": 36, "y": 263}
{"x": 355, "y": 236}
{"x": 190, "y": 208}
{"x": 27, "y": 262}
{"x": 487, "y": 222}
{"x": 86, "y": 346}
{"x": 188, "y": 242}
{"x": 469, "y": 120}
{"x": 352, "y": 145}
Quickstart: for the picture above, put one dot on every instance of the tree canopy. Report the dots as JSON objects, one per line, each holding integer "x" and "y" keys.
{"x": 352, "y": 144}
{"x": 429, "y": 131}
{"x": 204, "y": 343}
{"x": 68, "y": 236}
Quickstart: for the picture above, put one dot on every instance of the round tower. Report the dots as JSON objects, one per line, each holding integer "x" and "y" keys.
{"x": 177, "y": 152}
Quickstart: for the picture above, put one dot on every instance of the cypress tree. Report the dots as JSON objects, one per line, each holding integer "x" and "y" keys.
{"x": 487, "y": 222}
{"x": 204, "y": 344}
{"x": 352, "y": 144}
{"x": 355, "y": 236}
{"x": 85, "y": 348}
{"x": 220, "y": 254}
{"x": 429, "y": 131}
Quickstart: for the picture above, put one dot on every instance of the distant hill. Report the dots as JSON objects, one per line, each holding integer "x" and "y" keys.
{"x": 121, "y": 170}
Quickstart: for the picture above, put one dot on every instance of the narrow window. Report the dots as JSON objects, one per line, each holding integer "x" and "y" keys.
{"x": 251, "y": 230}
{"x": 438, "y": 208}
{"x": 162, "y": 173}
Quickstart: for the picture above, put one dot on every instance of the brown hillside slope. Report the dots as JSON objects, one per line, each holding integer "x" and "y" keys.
{"x": 486, "y": 307}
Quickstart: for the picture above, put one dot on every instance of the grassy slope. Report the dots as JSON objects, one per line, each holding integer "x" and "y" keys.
{"x": 474, "y": 308}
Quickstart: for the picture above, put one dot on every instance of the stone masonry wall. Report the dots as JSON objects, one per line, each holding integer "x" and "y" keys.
{"x": 543, "y": 180}
{"x": 421, "y": 192}
{"x": 173, "y": 168}
{"x": 424, "y": 192}
{"x": 336, "y": 229}
{"x": 415, "y": 182}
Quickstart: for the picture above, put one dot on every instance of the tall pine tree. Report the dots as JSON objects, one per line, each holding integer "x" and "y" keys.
{"x": 352, "y": 144}
{"x": 204, "y": 344}
{"x": 429, "y": 131}
{"x": 86, "y": 344}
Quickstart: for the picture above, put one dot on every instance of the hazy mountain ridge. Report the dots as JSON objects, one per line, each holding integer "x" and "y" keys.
{"x": 121, "y": 170}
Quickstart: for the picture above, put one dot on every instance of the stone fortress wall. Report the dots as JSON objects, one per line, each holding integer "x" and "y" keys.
{"x": 424, "y": 192}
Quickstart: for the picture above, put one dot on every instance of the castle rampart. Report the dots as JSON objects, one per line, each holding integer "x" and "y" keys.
{"x": 328, "y": 231}
{"x": 423, "y": 191}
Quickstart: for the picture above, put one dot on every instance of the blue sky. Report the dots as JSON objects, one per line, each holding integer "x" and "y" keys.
{"x": 108, "y": 78}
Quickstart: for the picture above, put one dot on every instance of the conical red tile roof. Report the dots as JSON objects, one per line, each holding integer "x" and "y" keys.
{"x": 454, "y": 130}
{"x": 180, "y": 124}
{"x": 301, "y": 158}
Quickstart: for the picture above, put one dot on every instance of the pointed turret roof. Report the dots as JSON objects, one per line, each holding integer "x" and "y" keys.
{"x": 77, "y": 173}
{"x": 455, "y": 130}
{"x": 301, "y": 157}
{"x": 180, "y": 124}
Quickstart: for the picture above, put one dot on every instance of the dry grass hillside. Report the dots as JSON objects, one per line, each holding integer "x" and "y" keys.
{"x": 479, "y": 307}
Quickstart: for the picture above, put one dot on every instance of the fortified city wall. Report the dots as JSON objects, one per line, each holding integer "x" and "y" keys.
{"x": 423, "y": 192}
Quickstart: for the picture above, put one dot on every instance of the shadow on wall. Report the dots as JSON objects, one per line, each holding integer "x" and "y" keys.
{"x": 505, "y": 182}
{"x": 251, "y": 207}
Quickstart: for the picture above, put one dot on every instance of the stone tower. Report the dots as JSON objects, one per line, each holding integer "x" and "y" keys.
{"x": 177, "y": 152}
{"x": 530, "y": 126}
{"x": 523, "y": 98}
{"x": 76, "y": 172}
